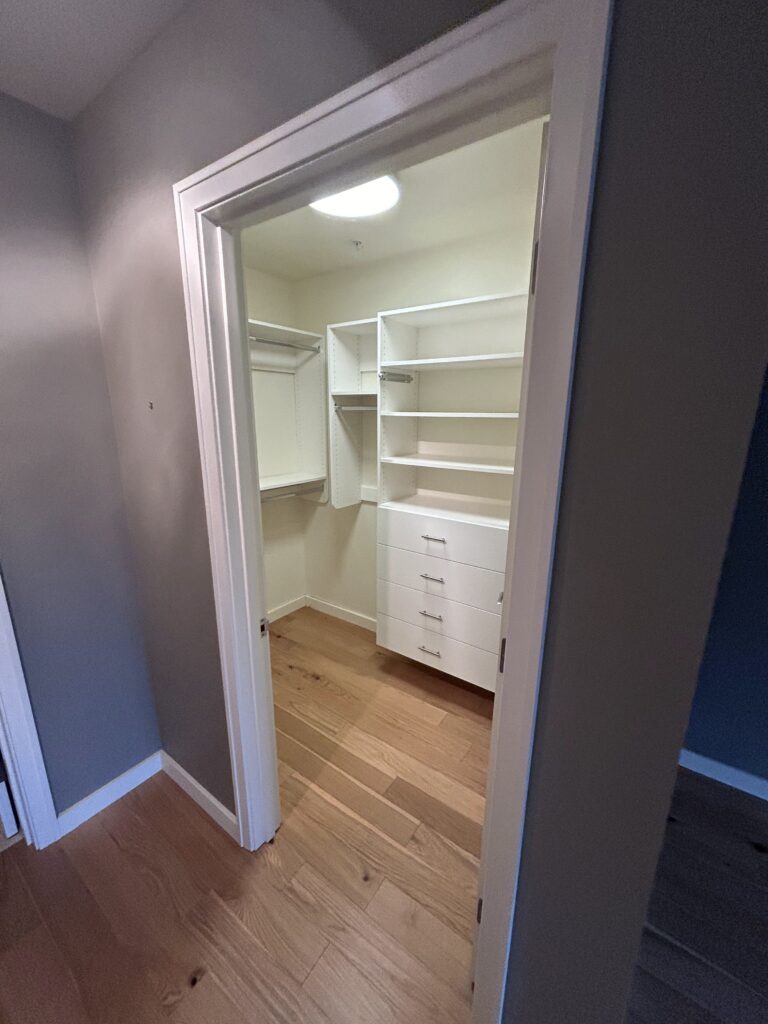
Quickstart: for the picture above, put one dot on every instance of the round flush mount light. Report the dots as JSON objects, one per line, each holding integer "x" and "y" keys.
{"x": 364, "y": 200}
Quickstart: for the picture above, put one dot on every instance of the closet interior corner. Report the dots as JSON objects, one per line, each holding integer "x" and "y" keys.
{"x": 386, "y": 356}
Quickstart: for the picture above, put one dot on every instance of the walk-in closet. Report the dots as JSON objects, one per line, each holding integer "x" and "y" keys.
{"x": 386, "y": 354}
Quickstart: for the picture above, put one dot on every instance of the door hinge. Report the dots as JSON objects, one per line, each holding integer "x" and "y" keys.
{"x": 502, "y": 652}
{"x": 479, "y": 910}
{"x": 264, "y": 626}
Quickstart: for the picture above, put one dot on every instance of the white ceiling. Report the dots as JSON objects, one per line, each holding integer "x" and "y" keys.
{"x": 484, "y": 187}
{"x": 59, "y": 54}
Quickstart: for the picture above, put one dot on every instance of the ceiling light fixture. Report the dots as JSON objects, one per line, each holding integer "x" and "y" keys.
{"x": 361, "y": 201}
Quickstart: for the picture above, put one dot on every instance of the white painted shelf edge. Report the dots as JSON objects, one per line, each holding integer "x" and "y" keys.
{"x": 449, "y": 462}
{"x": 485, "y": 361}
{"x": 274, "y": 483}
{"x": 457, "y": 415}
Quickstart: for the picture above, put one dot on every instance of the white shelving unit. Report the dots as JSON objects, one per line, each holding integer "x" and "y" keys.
{"x": 449, "y": 407}
{"x": 288, "y": 386}
{"x": 352, "y": 405}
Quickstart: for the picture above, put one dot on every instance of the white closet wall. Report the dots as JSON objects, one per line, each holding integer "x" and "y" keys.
{"x": 341, "y": 543}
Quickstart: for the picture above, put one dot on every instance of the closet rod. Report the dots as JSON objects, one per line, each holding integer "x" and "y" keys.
{"x": 354, "y": 408}
{"x": 315, "y": 349}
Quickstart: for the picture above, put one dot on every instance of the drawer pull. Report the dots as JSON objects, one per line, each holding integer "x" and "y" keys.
{"x": 434, "y": 579}
{"x": 429, "y": 615}
{"x": 426, "y": 650}
{"x": 440, "y": 540}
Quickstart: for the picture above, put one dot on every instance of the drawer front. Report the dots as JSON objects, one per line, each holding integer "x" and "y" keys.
{"x": 471, "y": 543}
{"x": 467, "y": 584}
{"x": 446, "y": 618}
{"x": 451, "y": 656}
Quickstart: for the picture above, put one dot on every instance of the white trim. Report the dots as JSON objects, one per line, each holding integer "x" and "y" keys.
{"x": 356, "y": 618}
{"x": 729, "y": 776}
{"x": 90, "y": 805}
{"x": 223, "y": 817}
{"x": 9, "y": 827}
{"x": 285, "y": 609}
{"x": 20, "y": 743}
{"x": 506, "y": 58}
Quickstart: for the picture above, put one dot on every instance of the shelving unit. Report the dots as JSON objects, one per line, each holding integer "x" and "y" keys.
{"x": 352, "y": 395}
{"x": 288, "y": 385}
{"x": 449, "y": 406}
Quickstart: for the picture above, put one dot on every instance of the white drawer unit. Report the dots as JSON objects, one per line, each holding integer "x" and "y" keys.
{"x": 446, "y": 618}
{"x": 471, "y": 543}
{"x": 467, "y": 584}
{"x": 457, "y": 659}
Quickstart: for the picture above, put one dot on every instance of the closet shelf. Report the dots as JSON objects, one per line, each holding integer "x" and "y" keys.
{"x": 457, "y": 415}
{"x": 261, "y": 332}
{"x": 463, "y": 508}
{"x": 491, "y": 361}
{"x": 282, "y": 481}
{"x": 458, "y": 462}
{"x": 355, "y": 394}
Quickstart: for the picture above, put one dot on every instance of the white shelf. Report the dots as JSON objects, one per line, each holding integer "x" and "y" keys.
{"x": 458, "y": 415}
{"x": 490, "y": 361}
{"x": 277, "y": 334}
{"x": 355, "y": 394}
{"x": 458, "y": 462}
{"x": 485, "y": 511}
{"x": 277, "y": 483}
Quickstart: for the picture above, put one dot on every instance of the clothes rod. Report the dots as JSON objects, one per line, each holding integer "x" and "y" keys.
{"x": 314, "y": 349}
{"x": 354, "y": 408}
{"x": 398, "y": 378}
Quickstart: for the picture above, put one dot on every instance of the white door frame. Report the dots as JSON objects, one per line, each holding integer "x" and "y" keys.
{"x": 515, "y": 53}
{"x": 20, "y": 743}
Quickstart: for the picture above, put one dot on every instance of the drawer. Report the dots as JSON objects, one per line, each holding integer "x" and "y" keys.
{"x": 446, "y": 618}
{"x": 451, "y": 656}
{"x": 471, "y": 543}
{"x": 467, "y": 584}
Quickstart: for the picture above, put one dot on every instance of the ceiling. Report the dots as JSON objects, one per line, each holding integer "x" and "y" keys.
{"x": 481, "y": 188}
{"x": 58, "y": 55}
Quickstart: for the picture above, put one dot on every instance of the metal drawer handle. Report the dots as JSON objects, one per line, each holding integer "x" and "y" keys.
{"x": 434, "y": 579}
{"x": 426, "y": 650}
{"x": 429, "y": 615}
{"x": 440, "y": 540}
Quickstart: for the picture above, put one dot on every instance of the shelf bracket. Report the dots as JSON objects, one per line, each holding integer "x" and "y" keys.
{"x": 397, "y": 378}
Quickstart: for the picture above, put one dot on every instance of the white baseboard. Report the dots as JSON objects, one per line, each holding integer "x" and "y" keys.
{"x": 101, "y": 798}
{"x": 735, "y": 777}
{"x": 285, "y": 609}
{"x": 366, "y": 621}
{"x": 223, "y": 817}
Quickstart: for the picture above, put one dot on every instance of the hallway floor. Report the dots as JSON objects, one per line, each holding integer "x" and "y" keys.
{"x": 361, "y": 911}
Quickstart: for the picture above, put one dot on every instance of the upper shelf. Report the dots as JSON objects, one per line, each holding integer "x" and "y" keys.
{"x": 281, "y": 481}
{"x": 492, "y": 361}
{"x": 460, "y": 462}
{"x": 288, "y": 337}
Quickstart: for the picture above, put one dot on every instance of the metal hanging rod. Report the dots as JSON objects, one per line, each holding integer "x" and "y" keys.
{"x": 397, "y": 378}
{"x": 315, "y": 349}
{"x": 354, "y": 408}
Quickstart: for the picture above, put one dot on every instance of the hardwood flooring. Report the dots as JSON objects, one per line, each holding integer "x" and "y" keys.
{"x": 361, "y": 912}
{"x": 704, "y": 951}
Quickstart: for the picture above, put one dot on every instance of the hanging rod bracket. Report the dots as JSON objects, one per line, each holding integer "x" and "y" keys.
{"x": 397, "y": 378}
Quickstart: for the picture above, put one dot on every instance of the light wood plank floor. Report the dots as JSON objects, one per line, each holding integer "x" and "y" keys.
{"x": 361, "y": 911}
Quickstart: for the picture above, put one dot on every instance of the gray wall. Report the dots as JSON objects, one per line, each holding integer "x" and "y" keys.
{"x": 218, "y": 76}
{"x": 63, "y": 540}
{"x": 672, "y": 350}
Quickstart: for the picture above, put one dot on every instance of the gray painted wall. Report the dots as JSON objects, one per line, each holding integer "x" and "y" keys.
{"x": 672, "y": 350}
{"x": 221, "y": 74}
{"x": 63, "y": 540}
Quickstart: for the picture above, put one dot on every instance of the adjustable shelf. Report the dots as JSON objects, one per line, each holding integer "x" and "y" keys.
{"x": 410, "y": 414}
{"x": 489, "y": 361}
{"x": 463, "y": 508}
{"x": 457, "y": 462}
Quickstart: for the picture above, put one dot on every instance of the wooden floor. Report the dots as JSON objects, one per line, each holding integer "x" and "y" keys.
{"x": 361, "y": 911}
{"x": 704, "y": 952}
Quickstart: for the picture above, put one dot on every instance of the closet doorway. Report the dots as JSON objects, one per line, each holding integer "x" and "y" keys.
{"x": 438, "y": 461}
{"x": 386, "y": 355}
